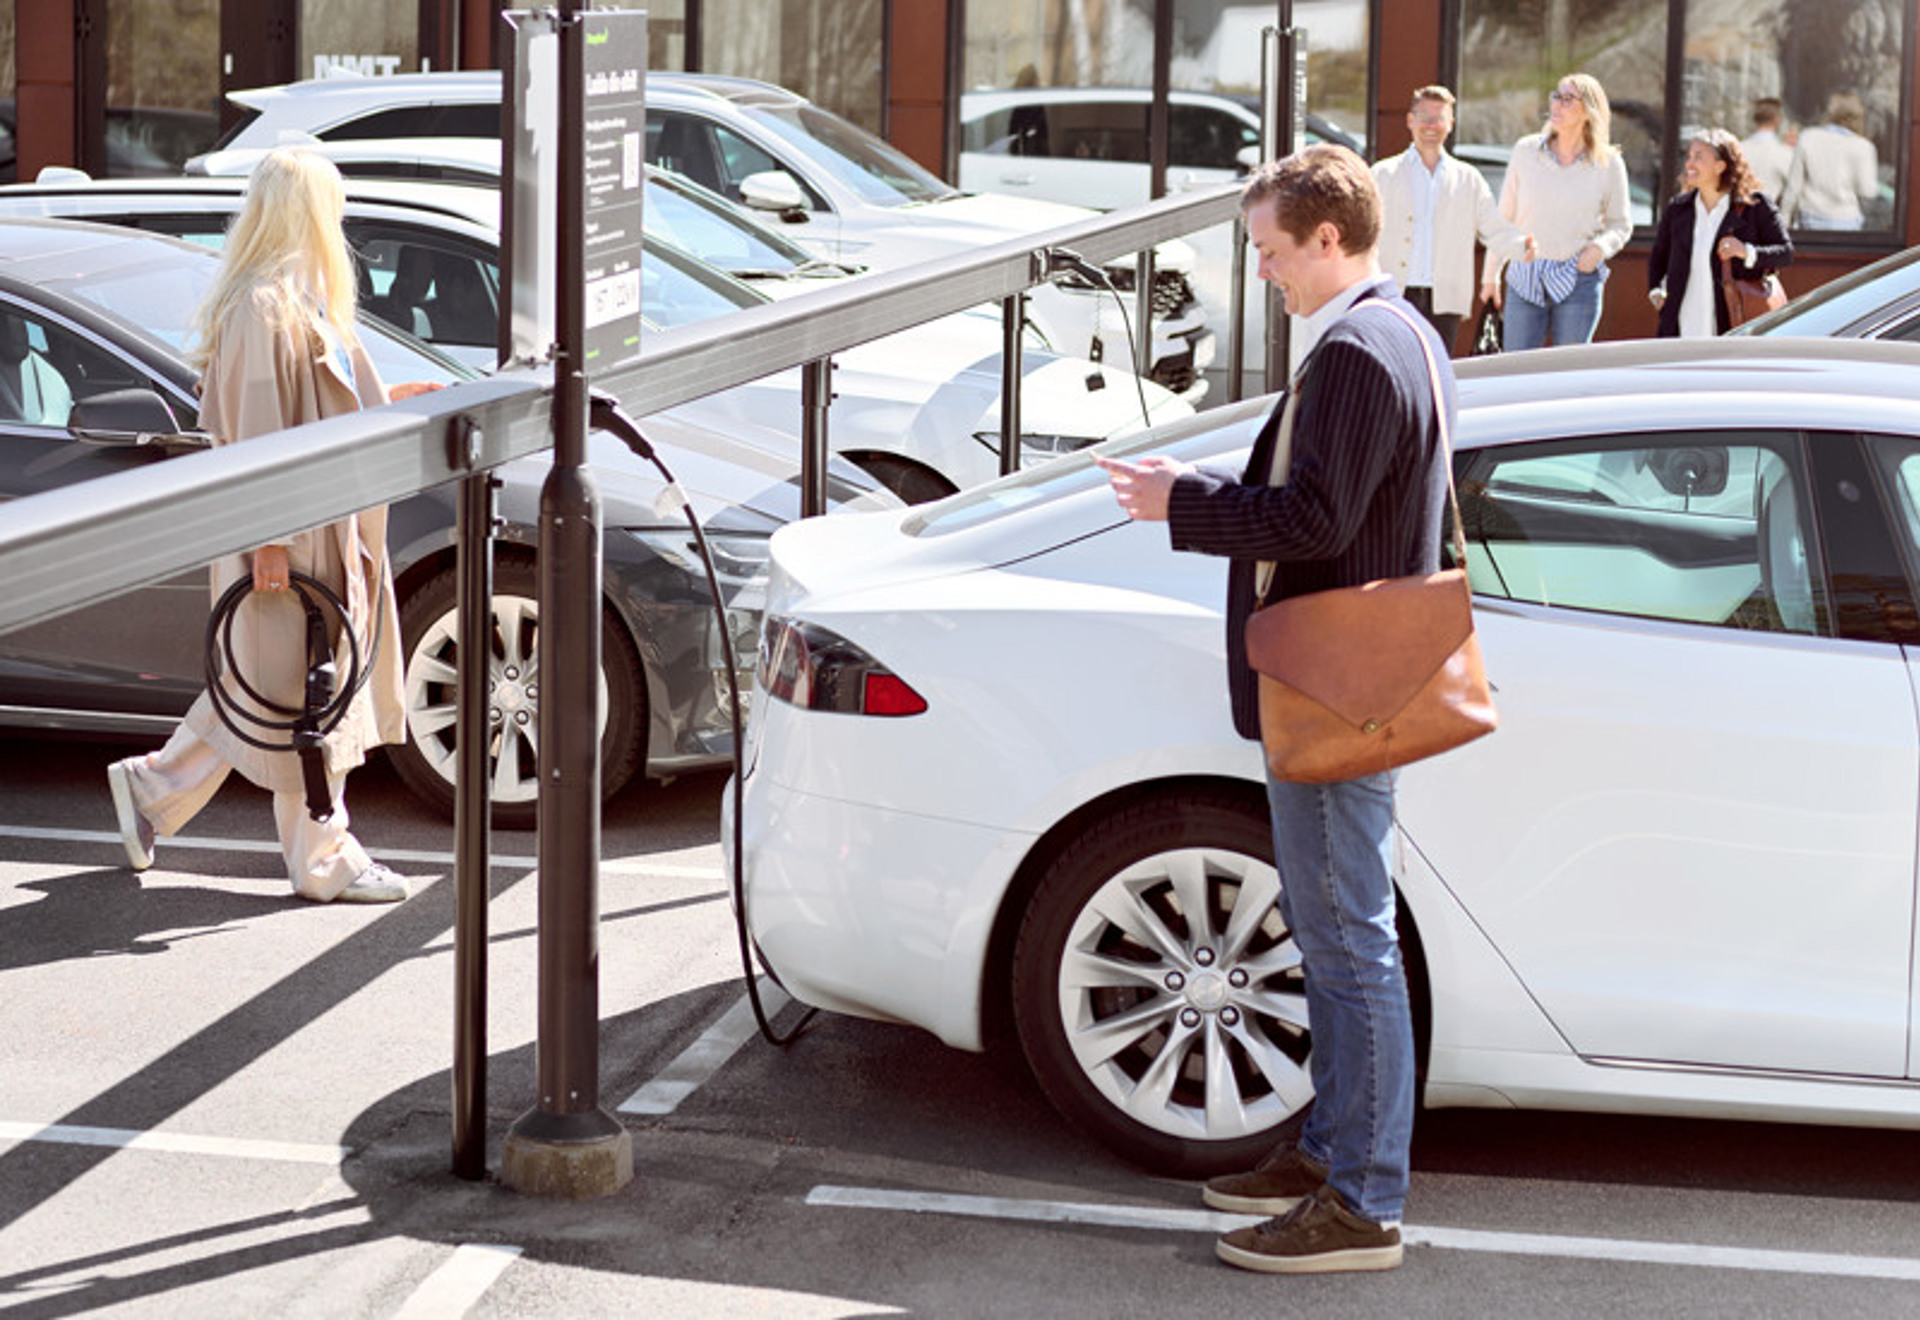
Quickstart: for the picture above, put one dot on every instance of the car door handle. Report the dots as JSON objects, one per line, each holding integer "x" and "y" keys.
{"x": 1017, "y": 180}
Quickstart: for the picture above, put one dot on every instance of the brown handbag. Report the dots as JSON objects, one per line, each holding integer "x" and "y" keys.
{"x": 1749, "y": 296}
{"x": 1359, "y": 680}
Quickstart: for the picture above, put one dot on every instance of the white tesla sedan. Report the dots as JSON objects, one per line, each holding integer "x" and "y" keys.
{"x": 991, "y": 783}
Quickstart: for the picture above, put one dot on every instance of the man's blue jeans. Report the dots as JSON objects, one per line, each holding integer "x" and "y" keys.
{"x": 1570, "y": 321}
{"x": 1334, "y": 845}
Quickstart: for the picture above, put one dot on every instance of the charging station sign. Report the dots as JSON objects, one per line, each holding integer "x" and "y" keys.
{"x": 616, "y": 124}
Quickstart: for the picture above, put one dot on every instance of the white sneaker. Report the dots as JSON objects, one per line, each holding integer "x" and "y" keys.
{"x": 376, "y": 884}
{"x": 135, "y": 834}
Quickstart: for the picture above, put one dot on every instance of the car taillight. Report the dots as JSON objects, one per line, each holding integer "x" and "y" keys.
{"x": 815, "y": 668}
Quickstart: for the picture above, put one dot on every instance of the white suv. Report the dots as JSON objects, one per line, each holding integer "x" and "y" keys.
{"x": 1089, "y": 145}
{"x": 844, "y": 193}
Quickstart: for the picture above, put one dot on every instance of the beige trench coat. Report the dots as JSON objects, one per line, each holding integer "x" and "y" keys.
{"x": 262, "y": 380}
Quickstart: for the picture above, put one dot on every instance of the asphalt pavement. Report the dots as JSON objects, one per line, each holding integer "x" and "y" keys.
{"x": 216, "y": 1100}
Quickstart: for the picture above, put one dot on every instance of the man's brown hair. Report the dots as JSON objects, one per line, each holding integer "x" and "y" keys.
{"x": 1323, "y": 184}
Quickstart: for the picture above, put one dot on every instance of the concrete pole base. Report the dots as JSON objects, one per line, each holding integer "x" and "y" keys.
{"x": 541, "y": 1163}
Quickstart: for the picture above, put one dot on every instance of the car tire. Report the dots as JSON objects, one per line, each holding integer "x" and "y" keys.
{"x": 1180, "y": 1043}
{"x": 429, "y": 631}
{"x": 904, "y": 477}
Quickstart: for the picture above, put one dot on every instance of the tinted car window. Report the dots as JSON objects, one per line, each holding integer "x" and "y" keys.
{"x": 1664, "y": 527}
{"x": 1200, "y": 137}
{"x": 480, "y": 119}
{"x": 878, "y": 172}
{"x": 428, "y": 284}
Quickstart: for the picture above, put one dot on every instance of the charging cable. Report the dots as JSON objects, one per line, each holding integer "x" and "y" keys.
{"x": 1060, "y": 261}
{"x": 604, "y": 413}
{"x": 326, "y": 700}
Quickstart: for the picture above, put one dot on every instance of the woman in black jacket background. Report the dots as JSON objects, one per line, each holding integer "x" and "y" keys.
{"x": 1743, "y": 227}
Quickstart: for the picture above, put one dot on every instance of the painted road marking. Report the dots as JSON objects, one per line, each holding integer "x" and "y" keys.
{"x": 453, "y": 1289}
{"x": 706, "y": 1056}
{"x": 1419, "y": 1235}
{"x": 623, "y": 865}
{"x": 175, "y": 1143}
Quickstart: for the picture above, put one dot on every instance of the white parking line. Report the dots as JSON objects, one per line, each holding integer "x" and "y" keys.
{"x": 451, "y": 1291}
{"x": 1448, "y": 1239}
{"x": 706, "y": 1056}
{"x": 176, "y": 1143}
{"x": 623, "y": 865}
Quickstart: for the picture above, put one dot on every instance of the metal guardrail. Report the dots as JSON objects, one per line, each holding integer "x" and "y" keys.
{"x": 68, "y": 548}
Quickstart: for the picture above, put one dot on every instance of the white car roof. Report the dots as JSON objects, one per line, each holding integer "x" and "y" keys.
{"x": 479, "y": 157}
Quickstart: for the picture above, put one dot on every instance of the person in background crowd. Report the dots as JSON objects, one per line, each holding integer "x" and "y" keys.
{"x": 1835, "y": 169}
{"x": 1720, "y": 217}
{"x": 1433, "y": 207}
{"x": 1769, "y": 155}
{"x": 276, "y": 348}
{"x": 1567, "y": 186}
{"x": 1345, "y": 485}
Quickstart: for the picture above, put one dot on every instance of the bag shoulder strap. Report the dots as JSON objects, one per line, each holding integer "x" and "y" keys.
{"x": 1439, "y": 419}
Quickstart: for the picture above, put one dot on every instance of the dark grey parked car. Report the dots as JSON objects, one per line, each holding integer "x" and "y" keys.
{"x": 88, "y": 309}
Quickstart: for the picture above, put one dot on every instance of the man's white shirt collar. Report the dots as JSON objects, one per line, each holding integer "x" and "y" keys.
{"x": 1320, "y": 321}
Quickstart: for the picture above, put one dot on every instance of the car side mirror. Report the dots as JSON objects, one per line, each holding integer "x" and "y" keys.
{"x": 777, "y": 191}
{"x": 133, "y": 418}
{"x": 1248, "y": 159}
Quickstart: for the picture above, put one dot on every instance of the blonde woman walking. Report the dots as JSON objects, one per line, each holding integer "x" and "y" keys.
{"x": 1567, "y": 186}
{"x": 276, "y": 347}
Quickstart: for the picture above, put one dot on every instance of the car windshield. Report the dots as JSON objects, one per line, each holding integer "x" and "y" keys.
{"x": 676, "y": 290}
{"x": 691, "y": 218}
{"x": 159, "y": 295}
{"x": 876, "y": 171}
{"x": 1201, "y": 438}
{"x": 1839, "y": 304}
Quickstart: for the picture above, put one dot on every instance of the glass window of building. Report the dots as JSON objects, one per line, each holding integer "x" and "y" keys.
{"x": 9, "y": 153}
{"x": 828, "y": 51}
{"x": 1513, "y": 53}
{"x": 366, "y": 37}
{"x": 1813, "y": 89}
{"x": 163, "y": 85}
{"x": 1058, "y": 93}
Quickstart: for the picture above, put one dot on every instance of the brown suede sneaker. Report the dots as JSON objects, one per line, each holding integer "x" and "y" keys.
{"x": 1278, "y": 1183}
{"x": 1318, "y": 1236}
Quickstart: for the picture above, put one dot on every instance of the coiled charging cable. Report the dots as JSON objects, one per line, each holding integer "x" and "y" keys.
{"x": 327, "y": 699}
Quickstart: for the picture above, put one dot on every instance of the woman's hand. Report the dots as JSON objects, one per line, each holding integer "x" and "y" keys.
{"x": 270, "y": 571}
{"x": 1590, "y": 258}
{"x": 1490, "y": 292}
{"x": 1732, "y": 249}
{"x": 411, "y": 388}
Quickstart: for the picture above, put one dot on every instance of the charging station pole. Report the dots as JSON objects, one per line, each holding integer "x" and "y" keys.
{"x": 568, "y": 1145}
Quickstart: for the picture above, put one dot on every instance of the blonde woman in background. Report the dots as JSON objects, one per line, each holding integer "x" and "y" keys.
{"x": 276, "y": 345}
{"x": 1567, "y": 186}
{"x": 1835, "y": 169}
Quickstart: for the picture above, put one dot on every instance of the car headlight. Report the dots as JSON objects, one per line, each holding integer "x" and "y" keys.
{"x": 740, "y": 561}
{"x": 1036, "y": 447}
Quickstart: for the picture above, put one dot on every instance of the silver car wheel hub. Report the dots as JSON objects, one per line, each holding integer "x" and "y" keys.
{"x": 1182, "y": 997}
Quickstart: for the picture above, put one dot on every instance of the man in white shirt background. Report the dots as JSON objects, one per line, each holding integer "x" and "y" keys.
{"x": 1435, "y": 206}
{"x": 1768, "y": 154}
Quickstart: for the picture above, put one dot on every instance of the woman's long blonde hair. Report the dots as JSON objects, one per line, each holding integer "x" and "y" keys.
{"x": 1598, "y": 127}
{"x": 287, "y": 241}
